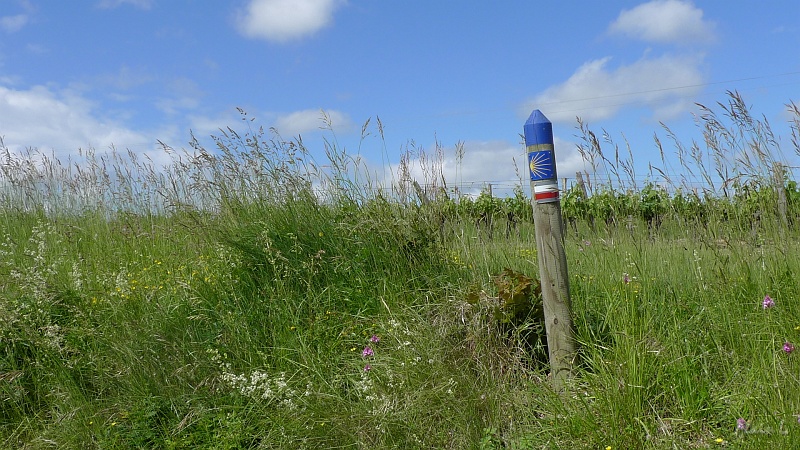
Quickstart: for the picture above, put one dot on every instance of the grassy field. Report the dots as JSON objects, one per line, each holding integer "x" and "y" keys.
{"x": 292, "y": 316}
{"x": 165, "y": 333}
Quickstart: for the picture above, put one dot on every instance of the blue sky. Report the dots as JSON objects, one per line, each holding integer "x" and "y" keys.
{"x": 127, "y": 73}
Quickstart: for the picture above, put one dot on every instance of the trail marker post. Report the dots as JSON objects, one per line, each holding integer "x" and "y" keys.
{"x": 549, "y": 229}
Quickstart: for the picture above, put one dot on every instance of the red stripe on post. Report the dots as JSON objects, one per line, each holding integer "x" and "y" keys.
{"x": 538, "y": 196}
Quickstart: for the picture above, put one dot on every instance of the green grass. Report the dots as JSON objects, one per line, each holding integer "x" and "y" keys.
{"x": 231, "y": 308}
{"x": 248, "y": 332}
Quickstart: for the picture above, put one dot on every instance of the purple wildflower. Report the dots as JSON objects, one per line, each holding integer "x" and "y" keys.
{"x": 367, "y": 352}
{"x": 788, "y": 347}
{"x": 768, "y": 302}
{"x": 375, "y": 339}
{"x": 741, "y": 424}
{"x": 367, "y": 368}
{"x": 626, "y": 278}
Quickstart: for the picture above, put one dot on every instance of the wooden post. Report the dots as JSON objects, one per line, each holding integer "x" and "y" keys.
{"x": 585, "y": 197}
{"x": 549, "y": 229}
{"x": 423, "y": 197}
{"x": 781, "y": 190}
{"x": 490, "y": 213}
{"x": 581, "y": 184}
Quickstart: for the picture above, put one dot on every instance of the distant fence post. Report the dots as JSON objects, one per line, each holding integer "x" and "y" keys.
{"x": 581, "y": 184}
{"x": 780, "y": 187}
{"x": 549, "y": 229}
{"x": 423, "y": 197}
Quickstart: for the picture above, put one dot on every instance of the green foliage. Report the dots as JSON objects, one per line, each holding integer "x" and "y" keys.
{"x": 216, "y": 346}
{"x": 607, "y": 206}
{"x": 654, "y": 203}
{"x": 574, "y": 204}
{"x": 689, "y": 208}
{"x": 753, "y": 204}
{"x": 487, "y": 205}
{"x": 275, "y": 306}
{"x": 519, "y": 297}
{"x": 519, "y": 205}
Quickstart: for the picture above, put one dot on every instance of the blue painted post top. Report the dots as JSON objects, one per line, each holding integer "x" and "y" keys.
{"x": 541, "y": 158}
{"x": 538, "y": 130}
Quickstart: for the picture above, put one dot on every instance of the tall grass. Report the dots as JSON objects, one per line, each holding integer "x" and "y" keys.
{"x": 249, "y": 296}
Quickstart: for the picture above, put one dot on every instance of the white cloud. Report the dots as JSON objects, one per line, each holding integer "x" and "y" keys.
{"x": 60, "y": 122}
{"x": 288, "y": 126}
{"x": 498, "y": 162}
{"x": 108, "y": 4}
{"x": 308, "y": 120}
{"x": 203, "y": 126}
{"x": 284, "y": 20}
{"x": 664, "y": 21}
{"x": 126, "y": 78}
{"x": 12, "y": 24}
{"x": 37, "y": 49}
{"x": 597, "y": 92}
{"x": 185, "y": 94}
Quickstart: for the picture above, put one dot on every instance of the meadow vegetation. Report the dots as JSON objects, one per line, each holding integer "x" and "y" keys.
{"x": 248, "y": 296}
